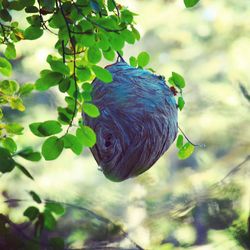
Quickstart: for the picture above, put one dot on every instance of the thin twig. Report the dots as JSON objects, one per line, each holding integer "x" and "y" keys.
{"x": 195, "y": 145}
{"x": 74, "y": 63}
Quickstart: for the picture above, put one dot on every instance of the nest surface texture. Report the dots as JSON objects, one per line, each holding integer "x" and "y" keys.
{"x": 138, "y": 121}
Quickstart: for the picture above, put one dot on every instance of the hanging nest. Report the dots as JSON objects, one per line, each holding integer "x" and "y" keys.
{"x": 138, "y": 121}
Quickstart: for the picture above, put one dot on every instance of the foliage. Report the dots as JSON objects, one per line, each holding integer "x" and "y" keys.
{"x": 86, "y": 32}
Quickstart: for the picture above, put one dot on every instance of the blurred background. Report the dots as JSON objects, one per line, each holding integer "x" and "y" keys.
{"x": 196, "y": 203}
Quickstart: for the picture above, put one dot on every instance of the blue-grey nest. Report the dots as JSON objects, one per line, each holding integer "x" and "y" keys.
{"x": 138, "y": 121}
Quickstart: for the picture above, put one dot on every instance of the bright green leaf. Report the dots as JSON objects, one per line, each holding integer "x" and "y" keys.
{"x": 10, "y": 51}
{"x": 177, "y": 80}
{"x": 72, "y": 142}
{"x": 143, "y": 59}
{"x": 185, "y": 151}
{"x": 102, "y": 74}
{"x": 9, "y": 144}
{"x": 94, "y": 54}
{"x": 5, "y": 67}
{"x": 49, "y": 220}
{"x": 179, "y": 142}
{"x": 133, "y": 61}
{"x": 91, "y": 110}
{"x": 86, "y": 135}
{"x": 181, "y": 102}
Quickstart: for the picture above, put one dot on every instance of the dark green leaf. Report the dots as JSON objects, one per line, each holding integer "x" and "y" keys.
{"x": 143, "y": 59}
{"x": 33, "y": 32}
{"x": 6, "y": 162}
{"x": 179, "y": 142}
{"x": 52, "y": 148}
{"x": 5, "y": 15}
{"x": 5, "y": 67}
{"x": 31, "y": 212}
{"x": 9, "y": 144}
{"x": 111, "y": 5}
{"x": 86, "y": 135}
{"x": 55, "y": 208}
{"x": 29, "y": 154}
{"x": 35, "y": 197}
{"x": 102, "y": 74}
{"x": 91, "y": 110}
{"x": 95, "y": 6}
{"x": 72, "y": 142}
{"x": 190, "y": 3}
{"x": 49, "y": 220}
{"x": 57, "y": 243}
{"x": 185, "y": 151}
{"x": 31, "y": 9}
{"x": 24, "y": 171}
{"x": 64, "y": 85}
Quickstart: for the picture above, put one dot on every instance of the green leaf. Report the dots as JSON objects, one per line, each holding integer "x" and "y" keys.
{"x": 16, "y": 103}
{"x": 5, "y": 67}
{"x": 9, "y": 144}
{"x": 58, "y": 66}
{"x": 133, "y": 61}
{"x": 26, "y": 88}
{"x": 83, "y": 74}
{"x": 95, "y": 6}
{"x": 5, "y": 15}
{"x": 87, "y": 87}
{"x": 136, "y": 33}
{"x": 177, "y": 80}
{"x": 35, "y": 197}
{"x": 91, "y": 110}
{"x": 64, "y": 85}
{"x": 33, "y": 32}
{"x": 6, "y": 162}
{"x": 109, "y": 54}
{"x": 10, "y": 51}
{"x": 31, "y": 212}
{"x": 29, "y": 154}
{"x": 57, "y": 243}
{"x": 52, "y": 148}
{"x": 181, "y": 102}
{"x": 48, "y": 79}
{"x": 14, "y": 128}
{"x": 179, "y": 142}
{"x": 72, "y": 142}
{"x": 24, "y": 171}
{"x": 49, "y": 220}
{"x": 185, "y": 151}
{"x": 126, "y": 16}
{"x": 102, "y": 74}
{"x": 128, "y": 36}
{"x": 143, "y": 59}
{"x": 86, "y": 135}
{"x": 111, "y": 5}
{"x": 94, "y": 54}
{"x": 46, "y": 128}
{"x": 116, "y": 41}
{"x": 190, "y": 3}
{"x": 55, "y": 208}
